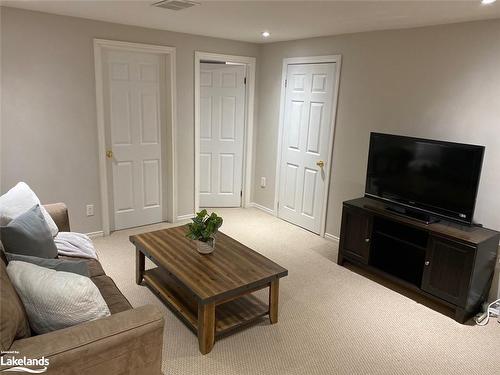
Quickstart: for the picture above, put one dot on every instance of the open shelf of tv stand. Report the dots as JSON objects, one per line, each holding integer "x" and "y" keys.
{"x": 448, "y": 262}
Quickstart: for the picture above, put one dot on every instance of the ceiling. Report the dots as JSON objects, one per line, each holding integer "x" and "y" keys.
{"x": 285, "y": 20}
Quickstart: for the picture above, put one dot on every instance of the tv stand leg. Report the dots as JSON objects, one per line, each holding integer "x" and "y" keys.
{"x": 461, "y": 315}
{"x": 340, "y": 259}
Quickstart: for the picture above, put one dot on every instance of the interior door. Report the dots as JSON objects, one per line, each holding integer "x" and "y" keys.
{"x": 305, "y": 143}
{"x": 222, "y": 119}
{"x": 132, "y": 102}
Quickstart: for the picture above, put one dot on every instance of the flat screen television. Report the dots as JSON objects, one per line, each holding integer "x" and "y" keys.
{"x": 425, "y": 176}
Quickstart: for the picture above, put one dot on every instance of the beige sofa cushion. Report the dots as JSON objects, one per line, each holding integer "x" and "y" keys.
{"x": 115, "y": 300}
{"x": 95, "y": 268}
{"x": 59, "y": 213}
{"x": 13, "y": 319}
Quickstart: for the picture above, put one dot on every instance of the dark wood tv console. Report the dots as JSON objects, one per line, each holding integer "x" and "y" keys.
{"x": 448, "y": 262}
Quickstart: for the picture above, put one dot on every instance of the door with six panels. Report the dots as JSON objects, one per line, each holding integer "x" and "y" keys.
{"x": 305, "y": 143}
{"x": 132, "y": 98}
{"x": 222, "y": 120}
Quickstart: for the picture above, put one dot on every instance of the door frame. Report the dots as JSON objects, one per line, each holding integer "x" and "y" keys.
{"x": 247, "y": 159}
{"x": 170, "y": 206}
{"x": 337, "y": 59}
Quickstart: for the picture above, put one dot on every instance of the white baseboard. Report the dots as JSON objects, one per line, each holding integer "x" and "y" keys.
{"x": 332, "y": 237}
{"x": 262, "y": 208}
{"x": 99, "y": 233}
{"x": 185, "y": 217}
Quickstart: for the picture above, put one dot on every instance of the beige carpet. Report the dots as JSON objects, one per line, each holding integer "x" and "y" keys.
{"x": 331, "y": 321}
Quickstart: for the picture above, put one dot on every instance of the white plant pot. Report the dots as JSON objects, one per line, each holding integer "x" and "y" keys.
{"x": 205, "y": 247}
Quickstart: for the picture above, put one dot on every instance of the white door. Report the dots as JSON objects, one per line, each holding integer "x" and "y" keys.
{"x": 132, "y": 103}
{"x": 222, "y": 118}
{"x": 305, "y": 143}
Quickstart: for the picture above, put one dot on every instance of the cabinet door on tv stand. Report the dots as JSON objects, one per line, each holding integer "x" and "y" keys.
{"x": 447, "y": 270}
{"x": 355, "y": 235}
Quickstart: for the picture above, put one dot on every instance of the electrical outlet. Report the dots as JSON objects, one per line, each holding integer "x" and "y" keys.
{"x": 262, "y": 182}
{"x": 90, "y": 210}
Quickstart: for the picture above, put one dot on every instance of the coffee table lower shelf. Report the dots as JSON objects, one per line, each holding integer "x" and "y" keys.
{"x": 229, "y": 315}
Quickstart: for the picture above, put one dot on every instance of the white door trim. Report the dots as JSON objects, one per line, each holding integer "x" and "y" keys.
{"x": 250, "y": 62}
{"x": 99, "y": 46}
{"x": 337, "y": 59}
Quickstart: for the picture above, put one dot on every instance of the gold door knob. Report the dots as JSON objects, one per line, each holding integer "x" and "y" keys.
{"x": 320, "y": 163}
{"x": 109, "y": 154}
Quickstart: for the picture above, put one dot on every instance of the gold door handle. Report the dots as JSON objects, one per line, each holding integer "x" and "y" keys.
{"x": 320, "y": 163}
{"x": 109, "y": 154}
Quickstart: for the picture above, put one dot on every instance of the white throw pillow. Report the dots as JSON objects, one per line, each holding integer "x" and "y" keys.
{"x": 55, "y": 299}
{"x": 17, "y": 201}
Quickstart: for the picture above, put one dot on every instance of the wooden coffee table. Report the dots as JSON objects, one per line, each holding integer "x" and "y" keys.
{"x": 211, "y": 294}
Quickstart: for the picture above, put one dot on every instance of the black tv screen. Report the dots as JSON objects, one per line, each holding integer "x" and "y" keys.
{"x": 440, "y": 178}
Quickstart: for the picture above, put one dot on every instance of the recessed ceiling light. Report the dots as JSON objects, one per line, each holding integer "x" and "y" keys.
{"x": 487, "y": 2}
{"x": 265, "y": 34}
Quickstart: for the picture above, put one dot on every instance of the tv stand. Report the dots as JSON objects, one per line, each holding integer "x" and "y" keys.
{"x": 446, "y": 262}
{"x": 416, "y": 215}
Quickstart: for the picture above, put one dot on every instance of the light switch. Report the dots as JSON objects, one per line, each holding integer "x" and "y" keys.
{"x": 262, "y": 182}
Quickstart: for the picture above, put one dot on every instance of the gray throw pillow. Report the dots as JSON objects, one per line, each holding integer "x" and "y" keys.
{"x": 74, "y": 266}
{"x": 29, "y": 234}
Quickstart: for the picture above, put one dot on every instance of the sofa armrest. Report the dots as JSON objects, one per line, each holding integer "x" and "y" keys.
{"x": 129, "y": 342}
{"x": 59, "y": 213}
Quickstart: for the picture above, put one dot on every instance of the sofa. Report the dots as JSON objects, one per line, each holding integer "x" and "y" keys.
{"x": 129, "y": 341}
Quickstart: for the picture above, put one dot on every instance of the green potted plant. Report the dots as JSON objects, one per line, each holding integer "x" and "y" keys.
{"x": 203, "y": 230}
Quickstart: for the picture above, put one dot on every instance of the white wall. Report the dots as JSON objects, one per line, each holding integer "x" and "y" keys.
{"x": 439, "y": 82}
{"x": 49, "y": 116}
